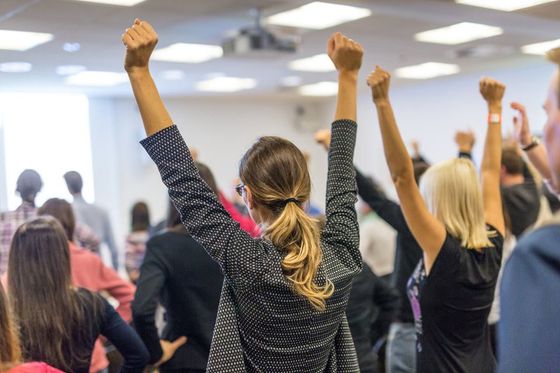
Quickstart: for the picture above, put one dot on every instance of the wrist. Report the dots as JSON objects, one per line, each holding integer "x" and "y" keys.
{"x": 526, "y": 140}
{"x": 495, "y": 107}
{"x": 465, "y": 149}
{"x": 383, "y": 101}
{"x": 134, "y": 72}
{"x": 348, "y": 75}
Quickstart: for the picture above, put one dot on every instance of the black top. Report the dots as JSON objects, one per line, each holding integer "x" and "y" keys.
{"x": 407, "y": 253}
{"x": 451, "y": 307}
{"x": 529, "y": 328}
{"x": 180, "y": 274}
{"x": 102, "y": 319}
{"x": 522, "y": 203}
{"x": 371, "y": 308}
{"x": 262, "y": 325}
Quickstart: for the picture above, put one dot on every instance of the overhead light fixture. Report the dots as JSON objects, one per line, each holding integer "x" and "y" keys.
{"x": 22, "y": 40}
{"x": 321, "y": 89}
{"x": 427, "y": 70}
{"x": 188, "y": 53}
{"x": 69, "y": 69}
{"x": 505, "y": 5}
{"x": 291, "y": 81}
{"x": 318, "y": 15}
{"x": 71, "y": 47}
{"x": 226, "y": 84}
{"x": 317, "y": 63}
{"x": 15, "y": 67}
{"x": 459, "y": 33}
{"x": 173, "y": 75}
{"x": 96, "y": 78}
{"x": 540, "y": 48}
{"x": 114, "y": 2}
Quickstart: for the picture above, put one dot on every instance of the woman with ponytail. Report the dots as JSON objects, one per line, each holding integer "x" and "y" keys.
{"x": 284, "y": 296}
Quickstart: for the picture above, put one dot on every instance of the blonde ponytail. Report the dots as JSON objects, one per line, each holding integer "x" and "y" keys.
{"x": 299, "y": 236}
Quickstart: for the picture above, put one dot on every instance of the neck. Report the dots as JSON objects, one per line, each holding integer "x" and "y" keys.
{"x": 510, "y": 180}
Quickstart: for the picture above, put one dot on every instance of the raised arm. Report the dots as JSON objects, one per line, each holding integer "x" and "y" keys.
{"x": 426, "y": 229}
{"x": 493, "y": 92}
{"x": 341, "y": 225}
{"x": 465, "y": 141}
{"x": 241, "y": 258}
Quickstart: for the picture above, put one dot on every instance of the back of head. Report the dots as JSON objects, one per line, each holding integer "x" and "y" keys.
{"x": 62, "y": 211}
{"x": 28, "y": 184}
{"x": 275, "y": 171}
{"x": 47, "y": 310}
{"x": 512, "y": 162}
{"x": 9, "y": 342}
{"x": 452, "y": 193}
{"x": 140, "y": 217}
{"x": 74, "y": 182}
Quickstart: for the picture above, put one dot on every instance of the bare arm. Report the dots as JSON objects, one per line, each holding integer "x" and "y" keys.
{"x": 426, "y": 229}
{"x": 140, "y": 40}
{"x": 493, "y": 91}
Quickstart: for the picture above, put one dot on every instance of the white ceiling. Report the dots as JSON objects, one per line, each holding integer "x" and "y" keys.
{"x": 387, "y": 37}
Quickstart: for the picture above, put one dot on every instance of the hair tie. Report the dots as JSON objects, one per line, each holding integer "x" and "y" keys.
{"x": 294, "y": 200}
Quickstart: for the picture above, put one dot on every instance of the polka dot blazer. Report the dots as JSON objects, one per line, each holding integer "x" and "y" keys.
{"x": 262, "y": 325}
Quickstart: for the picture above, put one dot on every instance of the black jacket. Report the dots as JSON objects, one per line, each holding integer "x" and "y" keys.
{"x": 180, "y": 275}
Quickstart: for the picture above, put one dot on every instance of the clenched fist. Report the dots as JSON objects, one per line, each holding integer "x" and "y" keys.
{"x": 345, "y": 53}
{"x": 140, "y": 40}
{"x": 492, "y": 91}
{"x": 465, "y": 141}
{"x": 379, "y": 81}
{"x": 323, "y": 137}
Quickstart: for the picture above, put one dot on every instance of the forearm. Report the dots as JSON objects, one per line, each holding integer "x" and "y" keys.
{"x": 398, "y": 160}
{"x": 538, "y": 158}
{"x": 492, "y": 158}
{"x": 153, "y": 111}
{"x": 347, "y": 95}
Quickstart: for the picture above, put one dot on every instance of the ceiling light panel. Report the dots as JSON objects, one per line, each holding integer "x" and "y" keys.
{"x": 15, "y": 67}
{"x": 459, "y": 33}
{"x": 188, "y": 53}
{"x": 317, "y": 63}
{"x": 96, "y": 78}
{"x": 318, "y": 15}
{"x": 427, "y": 70}
{"x": 114, "y": 2}
{"x": 505, "y": 5}
{"x": 321, "y": 89}
{"x": 22, "y": 40}
{"x": 224, "y": 84}
{"x": 540, "y": 48}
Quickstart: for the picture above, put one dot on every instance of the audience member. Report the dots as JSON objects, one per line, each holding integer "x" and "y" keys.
{"x": 529, "y": 331}
{"x": 135, "y": 247}
{"x": 286, "y": 294}
{"x": 188, "y": 282}
{"x": 91, "y": 215}
{"x": 461, "y": 255}
{"x": 89, "y": 272}
{"x": 58, "y": 323}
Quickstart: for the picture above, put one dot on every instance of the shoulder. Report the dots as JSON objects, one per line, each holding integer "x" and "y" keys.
{"x": 542, "y": 241}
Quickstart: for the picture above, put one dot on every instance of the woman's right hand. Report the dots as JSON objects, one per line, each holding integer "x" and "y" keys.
{"x": 169, "y": 348}
{"x": 379, "y": 81}
{"x": 140, "y": 40}
{"x": 345, "y": 53}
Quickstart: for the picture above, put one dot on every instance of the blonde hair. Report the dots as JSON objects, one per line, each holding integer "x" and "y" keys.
{"x": 276, "y": 172}
{"x": 10, "y": 353}
{"x": 453, "y": 194}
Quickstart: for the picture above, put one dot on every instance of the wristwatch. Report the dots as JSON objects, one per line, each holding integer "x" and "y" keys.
{"x": 534, "y": 142}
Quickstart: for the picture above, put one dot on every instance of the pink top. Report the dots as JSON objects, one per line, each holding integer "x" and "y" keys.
{"x": 245, "y": 222}
{"x": 34, "y": 368}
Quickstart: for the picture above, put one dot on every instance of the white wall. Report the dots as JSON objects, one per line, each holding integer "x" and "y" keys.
{"x": 223, "y": 128}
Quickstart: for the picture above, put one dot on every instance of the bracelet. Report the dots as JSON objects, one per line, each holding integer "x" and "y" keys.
{"x": 534, "y": 142}
{"x": 494, "y": 118}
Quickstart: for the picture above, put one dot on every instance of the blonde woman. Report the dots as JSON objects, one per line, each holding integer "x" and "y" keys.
{"x": 459, "y": 227}
{"x": 283, "y": 303}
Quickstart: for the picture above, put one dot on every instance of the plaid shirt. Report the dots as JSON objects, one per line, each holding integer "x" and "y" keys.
{"x": 11, "y": 220}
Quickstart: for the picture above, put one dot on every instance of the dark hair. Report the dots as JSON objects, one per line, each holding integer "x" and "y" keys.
{"x": 10, "y": 353}
{"x": 74, "y": 182}
{"x": 140, "y": 217}
{"x": 512, "y": 162}
{"x": 62, "y": 211}
{"x": 28, "y": 184}
{"x": 50, "y": 314}
{"x": 276, "y": 173}
{"x": 419, "y": 169}
{"x": 173, "y": 216}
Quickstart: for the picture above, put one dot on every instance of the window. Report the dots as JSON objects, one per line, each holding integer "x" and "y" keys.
{"x": 50, "y": 134}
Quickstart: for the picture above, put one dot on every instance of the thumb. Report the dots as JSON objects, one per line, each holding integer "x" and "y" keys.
{"x": 179, "y": 342}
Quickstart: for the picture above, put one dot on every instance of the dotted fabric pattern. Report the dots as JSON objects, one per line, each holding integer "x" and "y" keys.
{"x": 262, "y": 325}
